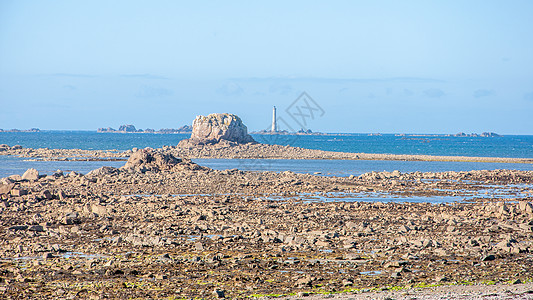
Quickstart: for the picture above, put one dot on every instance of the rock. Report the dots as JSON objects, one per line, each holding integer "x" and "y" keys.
{"x": 99, "y": 210}
{"x": 61, "y": 195}
{"x": 48, "y": 255}
{"x": 525, "y": 206}
{"x": 149, "y": 160}
{"x": 70, "y": 218}
{"x": 102, "y": 171}
{"x": 18, "y": 227}
{"x": 15, "y": 177}
{"x": 218, "y": 293}
{"x": 199, "y": 246}
{"x": 46, "y": 195}
{"x": 6, "y": 188}
{"x": 30, "y": 174}
{"x": 304, "y": 281}
{"x": 216, "y": 128}
{"x": 488, "y": 257}
{"x": 351, "y": 225}
{"x": 347, "y": 282}
{"x": 127, "y": 128}
{"x": 404, "y": 228}
{"x": 18, "y": 192}
{"x": 36, "y": 228}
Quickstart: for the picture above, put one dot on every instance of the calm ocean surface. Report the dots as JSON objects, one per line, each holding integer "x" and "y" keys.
{"x": 506, "y": 146}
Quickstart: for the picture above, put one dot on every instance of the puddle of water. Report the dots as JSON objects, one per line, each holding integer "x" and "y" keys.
{"x": 484, "y": 192}
{"x": 81, "y": 255}
{"x": 61, "y": 255}
{"x": 495, "y": 192}
{"x": 370, "y": 273}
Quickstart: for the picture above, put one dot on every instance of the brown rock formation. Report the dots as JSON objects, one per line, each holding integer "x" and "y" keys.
{"x": 217, "y": 128}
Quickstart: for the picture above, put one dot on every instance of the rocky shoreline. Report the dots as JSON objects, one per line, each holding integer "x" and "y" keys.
{"x": 229, "y": 150}
{"x": 164, "y": 227}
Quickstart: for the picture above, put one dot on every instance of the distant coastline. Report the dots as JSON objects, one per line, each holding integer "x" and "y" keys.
{"x": 21, "y": 130}
{"x": 131, "y": 129}
{"x": 188, "y": 129}
{"x": 309, "y": 132}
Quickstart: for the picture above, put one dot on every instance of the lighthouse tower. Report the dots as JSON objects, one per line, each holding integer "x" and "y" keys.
{"x": 274, "y": 124}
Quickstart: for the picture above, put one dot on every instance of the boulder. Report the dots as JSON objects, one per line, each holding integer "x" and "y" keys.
{"x": 105, "y": 170}
{"x": 30, "y": 174}
{"x": 217, "y": 128}
{"x": 5, "y": 188}
{"x": 155, "y": 161}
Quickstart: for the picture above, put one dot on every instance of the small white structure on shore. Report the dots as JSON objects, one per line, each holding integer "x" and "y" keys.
{"x": 274, "y": 124}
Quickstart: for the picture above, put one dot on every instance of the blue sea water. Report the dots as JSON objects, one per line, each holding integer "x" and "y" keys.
{"x": 352, "y": 167}
{"x": 505, "y": 146}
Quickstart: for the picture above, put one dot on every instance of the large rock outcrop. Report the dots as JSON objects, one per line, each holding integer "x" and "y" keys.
{"x": 218, "y": 128}
{"x": 150, "y": 160}
{"x": 156, "y": 161}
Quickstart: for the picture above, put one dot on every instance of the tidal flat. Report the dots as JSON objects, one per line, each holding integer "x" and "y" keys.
{"x": 165, "y": 227}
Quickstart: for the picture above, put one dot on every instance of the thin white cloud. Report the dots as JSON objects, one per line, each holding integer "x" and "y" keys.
{"x": 230, "y": 89}
{"x": 153, "y": 92}
{"x": 434, "y": 93}
{"x": 483, "y": 93}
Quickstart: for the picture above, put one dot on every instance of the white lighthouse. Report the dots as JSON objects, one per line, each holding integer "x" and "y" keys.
{"x": 274, "y": 125}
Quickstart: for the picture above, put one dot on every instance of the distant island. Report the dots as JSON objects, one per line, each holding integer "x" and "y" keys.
{"x": 22, "y": 130}
{"x": 460, "y": 134}
{"x": 484, "y": 134}
{"x": 131, "y": 129}
{"x": 285, "y": 132}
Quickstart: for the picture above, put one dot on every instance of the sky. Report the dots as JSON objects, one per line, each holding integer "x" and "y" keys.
{"x": 368, "y": 66}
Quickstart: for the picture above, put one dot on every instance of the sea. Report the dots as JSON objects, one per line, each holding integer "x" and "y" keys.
{"x": 512, "y": 146}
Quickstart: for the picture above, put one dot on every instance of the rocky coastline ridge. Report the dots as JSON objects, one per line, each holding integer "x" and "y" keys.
{"x": 231, "y": 150}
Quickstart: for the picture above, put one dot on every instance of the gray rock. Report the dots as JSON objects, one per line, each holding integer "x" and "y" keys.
{"x": 46, "y": 195}
{"x": 99, "y": 210}
{"x": 36, "y": 228}
{"x": 347, "y": 282}
{"x": 488, "y": 257}
{"x": 18, "y": 192}
{"x": 30, "y": 174}
{"x": 102, "y": 171}
{"x": 18, "y": 227}
{"x": 218, "y": 293}
{"x": 199, "y": 246}
{"x": 6, "y": 188}
{"x": 149, "y": 160}
{"x": 216, "y": 128}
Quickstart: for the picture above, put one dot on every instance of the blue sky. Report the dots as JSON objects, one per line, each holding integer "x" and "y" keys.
{"x": 372, "y": 66}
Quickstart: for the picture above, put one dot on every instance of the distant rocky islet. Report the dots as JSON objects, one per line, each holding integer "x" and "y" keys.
{"x": 132, "y": 129}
